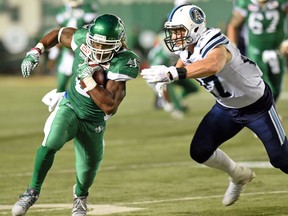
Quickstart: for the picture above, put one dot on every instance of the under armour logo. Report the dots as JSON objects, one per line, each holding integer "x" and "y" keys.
{"x": 99, "y": 129}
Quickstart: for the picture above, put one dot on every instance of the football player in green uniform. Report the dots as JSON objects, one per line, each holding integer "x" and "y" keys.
{"x": 81, "y": 113}
{"x": 265, "y": 24}
{"x": 74, "y": 13}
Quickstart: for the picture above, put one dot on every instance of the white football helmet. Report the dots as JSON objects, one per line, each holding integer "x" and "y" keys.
{"x": 73, "y": 3}
{"x": 185, "y": 18}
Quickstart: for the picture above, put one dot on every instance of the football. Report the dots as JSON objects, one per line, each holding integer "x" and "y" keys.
{"x": 99, "y": 76}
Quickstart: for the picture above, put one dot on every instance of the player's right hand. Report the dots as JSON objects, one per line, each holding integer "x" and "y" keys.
{"x": 30, "y": 62}
{"x": 85, "y": 71}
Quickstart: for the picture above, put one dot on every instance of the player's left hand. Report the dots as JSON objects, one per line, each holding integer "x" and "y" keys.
{"x": 154, "y": 74}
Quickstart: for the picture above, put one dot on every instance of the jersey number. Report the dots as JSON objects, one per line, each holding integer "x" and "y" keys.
{"x": 256, "y": 22}
{"x": 79, "y": 88}
{"x": 213, "y": 85}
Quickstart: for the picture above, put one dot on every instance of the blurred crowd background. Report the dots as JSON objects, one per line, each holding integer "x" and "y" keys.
{"x": 23, "y": 23}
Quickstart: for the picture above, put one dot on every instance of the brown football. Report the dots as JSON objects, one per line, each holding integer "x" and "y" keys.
{"x": 99, "y": 76}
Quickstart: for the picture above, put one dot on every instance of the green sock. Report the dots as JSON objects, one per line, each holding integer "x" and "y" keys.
{"x": 43, "y": 162}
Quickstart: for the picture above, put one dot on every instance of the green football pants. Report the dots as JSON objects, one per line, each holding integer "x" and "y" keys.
{"x": 62, "y": 126}
{"x": 273, "y": 69}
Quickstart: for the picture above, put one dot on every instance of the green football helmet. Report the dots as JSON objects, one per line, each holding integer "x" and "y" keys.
{"x": 105, "y": 37}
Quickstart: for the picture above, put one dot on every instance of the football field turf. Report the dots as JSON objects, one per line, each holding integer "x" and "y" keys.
{"x": 146, "y": 170}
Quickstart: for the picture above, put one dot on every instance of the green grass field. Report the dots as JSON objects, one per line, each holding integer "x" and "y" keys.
{"x": 146, "y": 168}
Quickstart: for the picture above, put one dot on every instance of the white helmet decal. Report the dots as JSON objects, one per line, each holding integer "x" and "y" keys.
{"x": 197, "y": 15}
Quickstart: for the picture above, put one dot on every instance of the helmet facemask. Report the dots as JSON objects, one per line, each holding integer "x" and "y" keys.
{"x": 177, "y": 38}
{"x": 102, "y": 50}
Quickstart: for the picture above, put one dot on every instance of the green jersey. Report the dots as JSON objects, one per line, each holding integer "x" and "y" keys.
{"x": 123, "y": 66}
{"x": 265, "y": 25}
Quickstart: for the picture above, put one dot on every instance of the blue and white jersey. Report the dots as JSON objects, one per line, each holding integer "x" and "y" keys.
{"x": 239, "y": 83}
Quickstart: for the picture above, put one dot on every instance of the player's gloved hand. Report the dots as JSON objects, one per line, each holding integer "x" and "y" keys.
{"x": 30, "y": 61}
{"x": 160, "y": 73}
{"x": 160, "y": 88}
{"x": 86, "y": 70}
{"x": 52, "y": 98}
{"x": 85, "y": 73}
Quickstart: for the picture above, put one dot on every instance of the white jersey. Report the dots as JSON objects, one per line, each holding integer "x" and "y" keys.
{"x": 239, "y": 83}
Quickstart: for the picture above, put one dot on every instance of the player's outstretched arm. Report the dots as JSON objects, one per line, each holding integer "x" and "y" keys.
{"x": 31, "y": 60}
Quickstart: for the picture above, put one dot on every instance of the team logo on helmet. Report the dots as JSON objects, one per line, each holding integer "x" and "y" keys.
{"x": 196, "y": 15}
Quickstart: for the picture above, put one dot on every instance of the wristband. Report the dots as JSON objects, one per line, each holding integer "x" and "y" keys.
{"x": 182, "y": 72}
{"x": 41, "y": 47}
{"x": 59, "y": 34}
{"x": 173, "y": 73}
{"x": 90, "y": 83}
{"x": 37, "y": 50}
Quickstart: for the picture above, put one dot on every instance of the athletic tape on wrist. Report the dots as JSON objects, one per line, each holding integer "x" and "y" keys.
{"x": 41, "y": 47}
{"x": 90, "y": 83}
{"x": 36, "y": 49}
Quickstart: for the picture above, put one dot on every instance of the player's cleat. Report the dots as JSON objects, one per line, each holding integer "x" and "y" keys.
{"x": 26, "y": 200}
{"x": 236, "y": 184}
{"x": 79, "y": 205}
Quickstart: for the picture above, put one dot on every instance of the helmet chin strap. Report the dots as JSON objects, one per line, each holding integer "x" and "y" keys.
{"x": 189, "y": 40}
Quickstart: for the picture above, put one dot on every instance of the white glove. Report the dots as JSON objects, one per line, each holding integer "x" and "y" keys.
{"x": 160, "y": 88}
{"x": 270, "y": 57}
{"x": 160, "y": 73}
{"x": 52, "y": 98}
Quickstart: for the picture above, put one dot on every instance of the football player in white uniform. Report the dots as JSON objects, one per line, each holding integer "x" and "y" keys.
{"x": 243, "y": 99}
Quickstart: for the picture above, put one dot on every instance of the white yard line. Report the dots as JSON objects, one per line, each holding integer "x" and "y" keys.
{"x": 199, "y": 198}
{"x": 251, "y": 164}
{"x": 94, "y": 209}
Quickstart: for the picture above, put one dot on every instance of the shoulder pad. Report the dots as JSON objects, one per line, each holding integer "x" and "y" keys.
{"x": 79, "y": 37}
{"x": 124, "y": 66}
{"x": 209, "y": 40}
